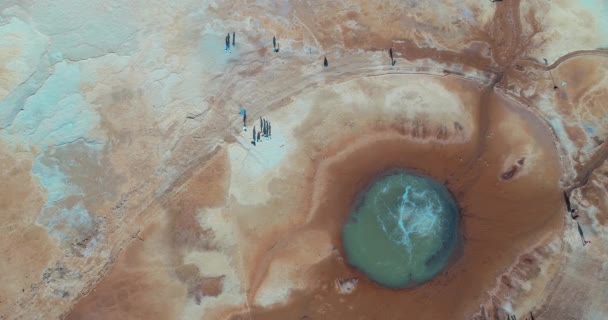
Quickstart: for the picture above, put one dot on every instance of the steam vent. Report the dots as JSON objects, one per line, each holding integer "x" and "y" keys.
{"x": 303, "y": 160}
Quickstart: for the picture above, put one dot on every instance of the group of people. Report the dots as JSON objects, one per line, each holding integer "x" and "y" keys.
{"x": 276, "y": 47}
{"x": 228, "y": 41}
{"x": 265, "y": 126}
{"x": 265, "y": 131}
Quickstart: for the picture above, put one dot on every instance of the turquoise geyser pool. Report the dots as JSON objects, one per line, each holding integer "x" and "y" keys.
{"x": 402, "y": 230}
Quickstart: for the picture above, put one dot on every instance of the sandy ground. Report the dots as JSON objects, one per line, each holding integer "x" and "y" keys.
{"x": 131, "y": 192}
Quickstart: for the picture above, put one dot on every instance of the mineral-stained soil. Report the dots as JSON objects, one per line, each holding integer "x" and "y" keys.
{"x": 500, "y": 219}
{"x": 130, "y": 190}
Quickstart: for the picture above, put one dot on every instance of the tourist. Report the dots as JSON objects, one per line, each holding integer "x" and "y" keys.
{"x": 244, "y": 113}
{"x": 265, "y": 128}
{"x": 274, "y": 43}
{"x": 233, "y": 39}
{"x": 574, "y": 214}
{"x": 325, "y": 63}
{"x": 227, "y": 42}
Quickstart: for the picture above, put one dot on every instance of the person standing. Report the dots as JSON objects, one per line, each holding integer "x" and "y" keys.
{"x": 265, "y": 128}
{"x": 325, "y": 63}
{"x": 233, "y": 39}
{"x": 227, "y": 42}
{"x": 244, "y": 113}
{"x": 390, "y": 53}
{"x": 573, "y": 214}
{"x": 274, "y": 43}
{"x": 253, "y": 140}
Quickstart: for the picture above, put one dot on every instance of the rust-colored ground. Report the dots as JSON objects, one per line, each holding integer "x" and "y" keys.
{"x": 199, "y": 224}
{"x": 500, "y": 218}
{"x": 492, "y": 169}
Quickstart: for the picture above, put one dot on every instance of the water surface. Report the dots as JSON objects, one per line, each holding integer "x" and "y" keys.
{"x": 402, "y": 229}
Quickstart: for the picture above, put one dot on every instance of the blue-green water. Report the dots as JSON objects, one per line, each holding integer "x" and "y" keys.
{"x": 402, "y": 230}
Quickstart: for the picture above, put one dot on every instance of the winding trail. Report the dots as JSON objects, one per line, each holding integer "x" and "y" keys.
{"x": 531, "y": 62}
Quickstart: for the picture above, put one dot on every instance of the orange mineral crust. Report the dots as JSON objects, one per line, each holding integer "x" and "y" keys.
{"x": 132, "y": 187}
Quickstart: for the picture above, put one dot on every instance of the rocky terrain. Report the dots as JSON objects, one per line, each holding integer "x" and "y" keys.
{"x": 130, "y": 190}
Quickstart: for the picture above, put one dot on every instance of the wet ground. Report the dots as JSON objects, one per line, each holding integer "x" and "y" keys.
{"x": 500, "y": 217}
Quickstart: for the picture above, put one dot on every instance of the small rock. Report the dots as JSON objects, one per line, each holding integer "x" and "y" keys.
{"x": 346, "y": 286}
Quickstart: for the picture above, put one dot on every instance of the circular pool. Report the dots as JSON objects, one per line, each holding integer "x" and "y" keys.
{"x": 402, "y": 229}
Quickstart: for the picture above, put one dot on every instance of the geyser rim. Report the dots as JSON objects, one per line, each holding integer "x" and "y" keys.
{"x": 456, "y": 252}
